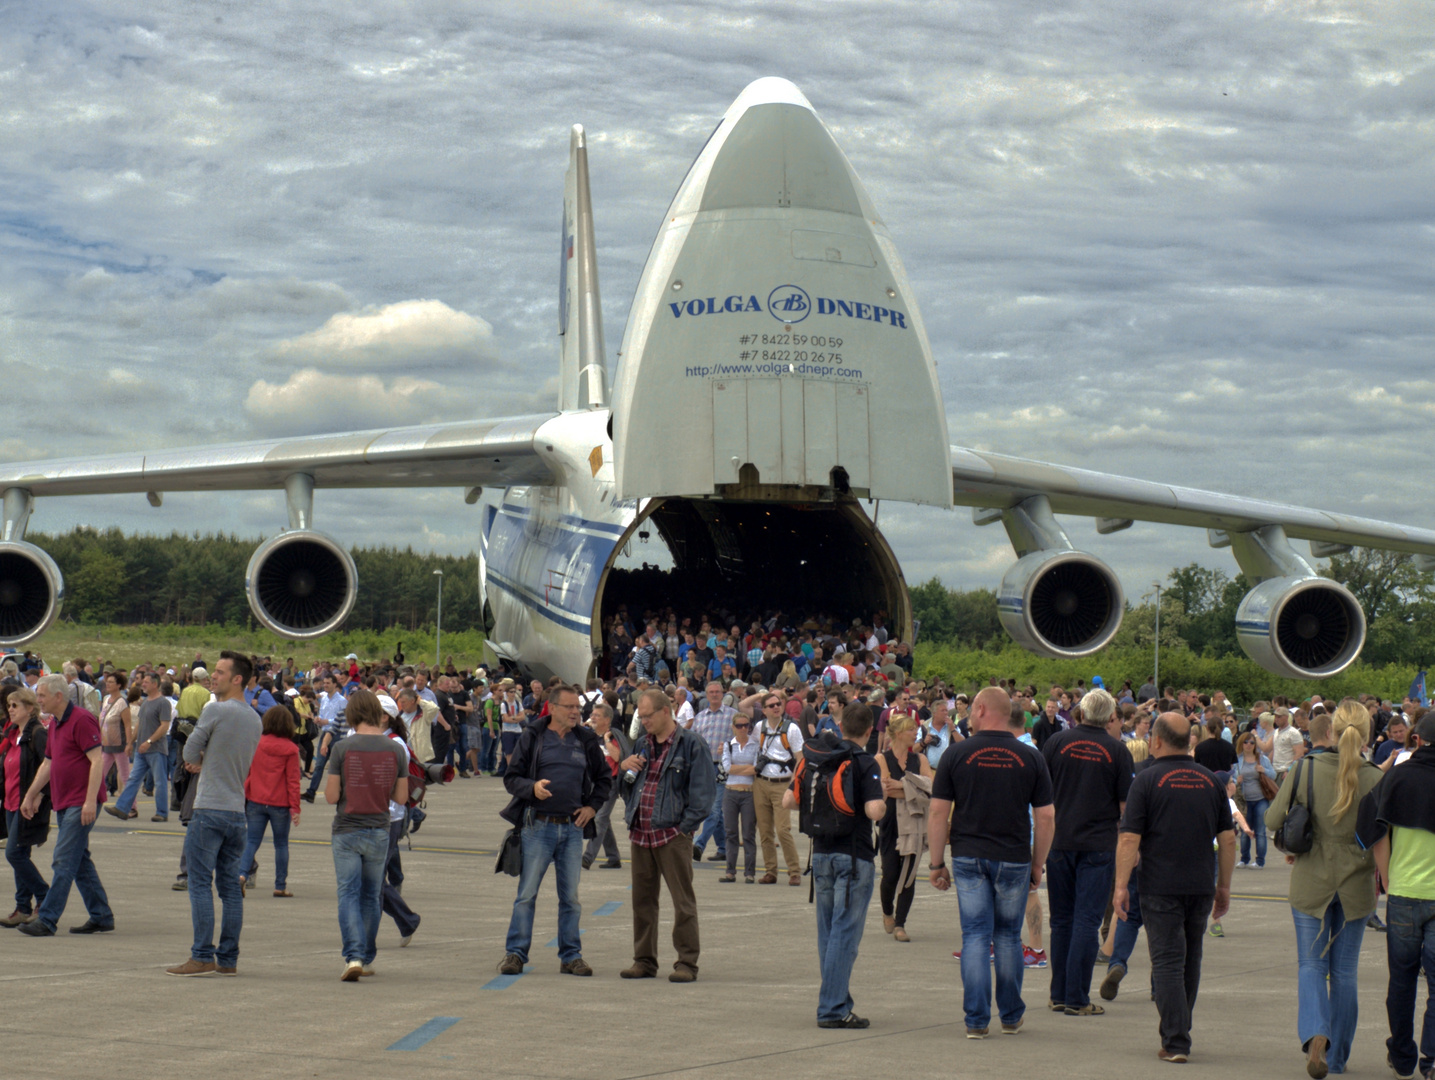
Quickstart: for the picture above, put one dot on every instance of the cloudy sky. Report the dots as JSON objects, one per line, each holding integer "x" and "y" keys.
{"x": 1190, "y": 243}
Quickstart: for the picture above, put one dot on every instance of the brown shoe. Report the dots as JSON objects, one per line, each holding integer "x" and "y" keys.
{"x": 282, "y": 892}
{"x": 899, "y": 933}
{"x": 682, "y": 975}
{"x": 191, "y": 967}
{"x": 226, "y": 971}
{"x": 1315, "y": 1065}
{"x": 638, "y": 971}
{"x": 1175, "y": 1057}
{"x": 794, "y": 879}
{"x": 17, "y": 918}
{"x": 511, "y": 964}
{"x": 768, "y": 879}
{"x": 889, "y": 923}
{"x": 575, "y": 967}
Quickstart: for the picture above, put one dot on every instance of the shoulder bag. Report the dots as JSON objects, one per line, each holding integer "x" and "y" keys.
{"x": 1296, "y": 836}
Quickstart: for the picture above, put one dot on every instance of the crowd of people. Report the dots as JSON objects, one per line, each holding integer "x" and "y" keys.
{"x": 1130, "y": 806}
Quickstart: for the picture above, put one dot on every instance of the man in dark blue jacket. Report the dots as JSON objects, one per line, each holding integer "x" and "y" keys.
{"x": 559, "y": 779}
{"x": 669, "y": 786}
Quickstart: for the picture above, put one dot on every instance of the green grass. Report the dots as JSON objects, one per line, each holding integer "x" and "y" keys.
{"x": 126, "y": 646}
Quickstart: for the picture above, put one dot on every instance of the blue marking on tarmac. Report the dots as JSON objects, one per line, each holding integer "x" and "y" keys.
{"x": 417, "y": 1038}
{"x": 503, "y": 982}
{"x": 554, "y": 943}
{"x": 609, "y": 908}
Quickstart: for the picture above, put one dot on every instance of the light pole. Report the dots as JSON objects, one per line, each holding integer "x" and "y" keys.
{"x": 438, "y": 629}
{"x": 1156, "y": 664}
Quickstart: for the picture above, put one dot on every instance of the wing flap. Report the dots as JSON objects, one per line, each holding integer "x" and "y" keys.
{"x": 999, "y": 481}
{"x": 486, "y": 453}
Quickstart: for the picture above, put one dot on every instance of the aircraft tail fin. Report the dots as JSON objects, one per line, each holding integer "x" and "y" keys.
{"x": 583, "y": 373}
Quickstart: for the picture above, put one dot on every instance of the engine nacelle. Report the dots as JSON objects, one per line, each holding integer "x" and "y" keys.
{"x": 31, "y": 592}
{"x": 1302, "y": 628}
{"x": 1060, "y": 603}
{"x": 301, "y": 584}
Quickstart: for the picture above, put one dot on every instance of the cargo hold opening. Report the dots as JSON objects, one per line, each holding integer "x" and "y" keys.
{"x": 739, "y": 560}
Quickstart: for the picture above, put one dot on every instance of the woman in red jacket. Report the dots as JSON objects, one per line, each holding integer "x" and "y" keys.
{"x": 272, "y": 797}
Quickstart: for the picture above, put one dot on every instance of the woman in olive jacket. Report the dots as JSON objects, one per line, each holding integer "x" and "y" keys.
{"x": 1332, "y": 887}
{"x": 22, "y": 750}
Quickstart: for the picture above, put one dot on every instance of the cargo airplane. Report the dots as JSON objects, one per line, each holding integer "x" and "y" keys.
{"x": 773, "y": 348}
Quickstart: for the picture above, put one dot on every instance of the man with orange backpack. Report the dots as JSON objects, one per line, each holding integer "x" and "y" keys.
{"x": 837, "y": 790}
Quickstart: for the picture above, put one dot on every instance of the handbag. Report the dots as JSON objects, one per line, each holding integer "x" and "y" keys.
{"x": 510, "y": 853}
{"x": 1296, "y": 836}
{"x": 1268, "y": 786}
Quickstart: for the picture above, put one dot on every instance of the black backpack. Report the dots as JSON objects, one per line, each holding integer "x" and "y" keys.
{"x": 825, "y": 781}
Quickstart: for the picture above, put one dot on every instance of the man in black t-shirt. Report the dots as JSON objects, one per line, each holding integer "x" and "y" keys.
{"x": 1213, "y": 751}
{"x": 1090, "y": 776}
{"x": 1175, "y": 808}
{"x": 842, "y": 875}
{"x": 996, "y": 785}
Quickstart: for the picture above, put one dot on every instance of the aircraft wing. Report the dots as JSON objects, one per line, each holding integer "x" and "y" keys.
{"x": 483, "y": 453}
{"x": 999, "y": 481}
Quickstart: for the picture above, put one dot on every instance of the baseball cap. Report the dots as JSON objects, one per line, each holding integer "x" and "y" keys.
{"x": 199, "y": 673}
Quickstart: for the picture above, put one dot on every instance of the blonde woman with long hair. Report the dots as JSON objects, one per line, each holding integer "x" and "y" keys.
{"x": 1332, "y": 887}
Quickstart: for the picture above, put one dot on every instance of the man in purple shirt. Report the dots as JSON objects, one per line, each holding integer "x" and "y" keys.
{"x": 72, "y": 771}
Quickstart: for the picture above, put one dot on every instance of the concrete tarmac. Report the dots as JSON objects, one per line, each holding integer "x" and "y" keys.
{"x": 101, "y": 1005}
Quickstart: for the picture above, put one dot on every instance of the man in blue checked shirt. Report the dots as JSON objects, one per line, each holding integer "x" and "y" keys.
{"x": 714, "y": 724}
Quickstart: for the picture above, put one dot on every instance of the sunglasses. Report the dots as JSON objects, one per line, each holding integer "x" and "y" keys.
{"x": 742, "y": 727}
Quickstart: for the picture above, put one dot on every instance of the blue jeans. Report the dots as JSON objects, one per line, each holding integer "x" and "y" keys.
{"x": 70, "y": 864}
{"x": 843, "y": 887}
{"x": 713, "y": 826}
{"x": 1409, "y": 947}
{"x": 1078, "y": 884}
{"x": 359, "y": 859}
{"x": 458, "y": 748}
{"x": 29, "y": 882}
{"x": 391, "y": 900}
{"x": 487, "y": 747}
{"x": 560, "y": 844}
{"x": 318, "y": 777}
{"x": 256, "y": 816}
{"x": 992, "y": 898}
{"x": 1128, "y": 931}
{"x": 1328, "y": 950}
{"x": 1256, "y": 819}
{"x": 156, "y": 765}
{"x": 212, "y": 847}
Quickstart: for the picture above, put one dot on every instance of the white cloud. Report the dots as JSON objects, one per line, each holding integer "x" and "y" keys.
{"x": 313, "y": 401}
{"x": 412, "y": 332}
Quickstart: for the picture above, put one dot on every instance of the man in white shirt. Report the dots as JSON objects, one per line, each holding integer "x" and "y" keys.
{"x": 779, "y": 750}
{"x": 1288, "y": 745}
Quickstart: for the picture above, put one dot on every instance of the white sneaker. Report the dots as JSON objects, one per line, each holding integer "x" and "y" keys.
{"x": 366, "y": 969}
{"x": 352, "y": 970}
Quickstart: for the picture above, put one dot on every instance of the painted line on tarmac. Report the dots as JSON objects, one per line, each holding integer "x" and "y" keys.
{"x": 503, "y": 982}
{"x": 1253, "y": 896}
{"x": 326, "y": 843}
{"x": 419, "y": 1036}
{"x": 554, "y": 943}
{"x": 609, "y": 908}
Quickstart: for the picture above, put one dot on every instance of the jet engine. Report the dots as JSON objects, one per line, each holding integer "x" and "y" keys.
{"x": 301, "y": 584}
{"x": 1302, "y": 628}
{"x": 31, "y": 591}
{"x": 1061, "y": 603}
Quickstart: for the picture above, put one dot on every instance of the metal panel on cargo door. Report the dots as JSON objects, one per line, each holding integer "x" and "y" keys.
{"x": 853, "y": 447}
{"x": 729, "y": 430}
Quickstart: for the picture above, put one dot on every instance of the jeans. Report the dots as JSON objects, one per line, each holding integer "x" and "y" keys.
{"x": 713, "y": 826}
{"x": 1256, "y": 819}
{"x": 991, "y": 896}
{"x": 1328, "y": 950}
{"x": 359, "y": 858}
{"x": 258, "y": 815}
{"x": 458, "y": 748}
{"x": 392, "y": 901}
{"x": 320, "y": 760}
{"x": 1077, "y": 886}
{"x": 487, "y": 747}
{"x": 1175, "y": 929}
{"x": 843, "y": 886}
{"x": 29, "y": 882}
{"x": 155, "y": 765}
{"x": 1126, "y": 932}
{"x": 213, "y": 846}
{"x": 1409, "y": 947}
{"x": 70, "y": 863}
{"x": 603, "y": 830}
{"x": 739, "y": 815}
{"x": 544, "y": 843}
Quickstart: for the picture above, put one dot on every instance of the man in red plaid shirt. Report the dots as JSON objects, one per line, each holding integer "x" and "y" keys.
{"x": 669, "y": 786}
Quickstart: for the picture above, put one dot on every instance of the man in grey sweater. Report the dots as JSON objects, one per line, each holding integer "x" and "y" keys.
{"x": 220, "y": 750}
